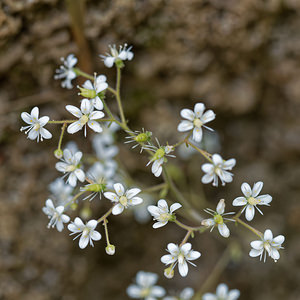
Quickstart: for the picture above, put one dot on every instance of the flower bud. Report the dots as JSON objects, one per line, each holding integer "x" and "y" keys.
{"x": 169, "y": 272}
{"x": 110, "y": 249}
{"x": 86, "y": 93}
{"x": 58, "y": 153}
{"x": 143, "y": 137}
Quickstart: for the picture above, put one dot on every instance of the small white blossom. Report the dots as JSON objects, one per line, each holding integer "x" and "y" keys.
{"x": 86, "y": 116}
{"x": 218, "y": 167}
{"x": 67, "y": 71}
{"x": 195, "y": 120}
{"x": 161, "y": 212}
{"x": 36, "y": 125}
{"x": 55, "y": 214}
{"x": 86, "y": 231}
{"x": 181, "y": 255}
{"x": 124, "y": 199}
{"x": 267, "y": 244}
{"x": 159, "y": 157}
{"x": 222, "y": 293}
{"x": 71, "y": 165}
{"x": 92, "y": 90}
{"x": 114, "y": 56}
{"x": 218, "y": 219}
{"x": 186, "y": 294}
{"x": 61, "y": 191}
{"x": 145, "y": 287}
{"x": 252, "y": 199}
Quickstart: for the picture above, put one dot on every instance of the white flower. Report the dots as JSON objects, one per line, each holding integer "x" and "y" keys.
{"x": 218, "y": 167}
{"x": 92, "y": 90}
{"x": 186, "y": 294}
{"x": 114, "y": 56}
{"x": 55, "y": 214}
{"x": 159, "y": 157}
{"x": 252, "y": 199}
{"x": 71, "y": 165}
{"x": 145, "y": 287}
{"x": 181, "y": 255}
{"x": 218, "y": 219}
{"x": 66, "y": 71}
{"x": 123, "y": 198}
{"x": 86, "y": 116}
{"x": 61, "y": 191}
{"x": 195, "y": 120}
{"x": 267, "y": 244}
{"x": 36, "y": 125}
{"x": 161, "y": 212}
{"x": 222, "y": 293}
{"x": 87, "y": 232}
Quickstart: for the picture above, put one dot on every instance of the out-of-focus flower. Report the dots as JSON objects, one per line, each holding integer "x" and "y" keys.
{"x": 67, "y": 71}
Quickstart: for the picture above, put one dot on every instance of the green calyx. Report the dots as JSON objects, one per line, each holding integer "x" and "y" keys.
{"x": 143, "y": 137}
{"x": 160, "y": 153}
{"x": 218, "y": 219}
{"x": 95, "y": 187}
{"x": 86, "y": 93}
{"x": 119, "y": 63}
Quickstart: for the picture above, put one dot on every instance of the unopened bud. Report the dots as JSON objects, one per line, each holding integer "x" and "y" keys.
{"x": 169, "y": 272}
{"x": 110, "y": 249}
{"x": 86, "y": 93}
{"x": 58, "y": 153}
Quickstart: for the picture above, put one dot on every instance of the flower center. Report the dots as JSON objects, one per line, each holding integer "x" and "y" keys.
{"x": 198, "y": 123}
{"x": 267, "y": 246}
{"x": 145, "y": 292}
{"x": 37, "y": 126}
{"x": 164, "y": 217}
{"x": 70, "y": 168}
{"x": 218, "y": 219}
{"x": 253, "y": 201}
{"x": 123, "y": 200}
{"x": 159, "y": 154}
{"x": 84, "y": 119}
{"x": 180, "y": 258}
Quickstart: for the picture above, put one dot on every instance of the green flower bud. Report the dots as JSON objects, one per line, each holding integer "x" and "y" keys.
{"x": 110, "y": 249}
{"x": 86, "y": 93}
{"x": 169, "y": 272}
{"x": 58, "y": 153}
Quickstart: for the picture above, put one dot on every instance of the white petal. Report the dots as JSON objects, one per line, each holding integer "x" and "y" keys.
{"x": 255, "y": 253}
{"x": 134, "y": 291}
{"x": 80, "y": 174}
{"x": 33, "y": 134}
{"x": 153, "y": 210}
{"x": 35, "y": 113}
{"x": 174, "y": 207}
{"x": 159, "y": 224}
{"x": 78, "y": 222}
{"x": 72, "y": 179}
{"x": 61, "y": 166}
{"x": 257, "y": 245}
{"x": 208, "y": 116}
{"x": 275, "y": 254}
{"x": 233, "y": 294}
{"x": 197, "y": 134}
{"x": 217, "y": 159}
{"x": 77, "y": 157}
{"x": 209, "y": 296}
{"x": 27, "y": 118}
{"x": 95, "y": 126}
{"x": 74, "y": 110}
{"x": 239, "y": 201}
{"x": 74, "y": 127}
{"x": 229, "y": 164}
{"x": 163, "y": 205}
{"x": 187, "y": 114}
{"x": 119, "y": 188}
{"x": 168, "y": 259}
{"x": 146, "y": 279}
{"x": 59, "y": 226}
{"x": 96, "y": 115}
{"x": 117, "y": 209}
{"x": 132, "y": 192}
{"x": 221, "y": 207}
{"x": 193, "y": 255}
{"x": 111, "y": 196}
{"x": 268, "y": 235}
{"x": 246, "y": 189}
{"x": 92, "y": 224}
{"x": 98, "y": 104}
{"x": 43, "y": 121}
{"x": 278, "y": 240}
{"x": 265, "y": 199}
{"x": 86, "y": 106}
{"x": 207, "y": 168}
{"x": 257, "y": 188}
{"x": 109, "y": 61}
{"x": 207, "y": 178}
{"x": 223, "y": 230}
{"x": 101, "y": 87}
{"x": 157, "y": 291}
{"x": 136, "y": 201}
{"x": 250, "y": 212}
{"x": 88, "y": 85}
{"x": 173, "y": 249}
{"x": 208, "y": 222}
{"x": 222, "y": 291}
{"x": 95, "y": 235}
{"x": 65, "y": 218}
{"x": 183, "y": 268}
{"x": 49, "y": 204}
{"x": 84, "y": 240}
{"x": 186, "y": 248}
{"x": 45, "y": 133}
{"x": 199, "y": 109}
{"x": 185, "y": 126}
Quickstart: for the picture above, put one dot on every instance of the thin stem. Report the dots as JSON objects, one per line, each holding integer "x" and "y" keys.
{"x": 106, "y": 231}
{"x": 74, "y": 198}
{"x": 202, "y": 152}
{"x": 118, "y": 97}
{"x": 154, "y": 188}
{"x": 186, "y": 237}
{"x": 61, "y": 136}
{"x": 255, "y": 231}
{"x": 105, "y": 215}
{"x": 83, "y": 74}
{"x": 183, "y": 141}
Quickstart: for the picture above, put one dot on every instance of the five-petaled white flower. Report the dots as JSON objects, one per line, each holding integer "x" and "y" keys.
{"x": 55, "y": 214}
{"x": 86, "y": 231}
{"x": 218, "y": 219}
{"x": 145, "y": 287}
{"x": 159, "y": 157}
{"x": 222, "y": 293}
{"x": 71, "y": 165}
{"x": 66, "y": 71}
{"x": 181, "y": 255}
{"x": 195, "y": 120}
{"x": 267, "y": 244}
{"x": 86, "y": 116}
{"x": 252, "y": 199}
{"x": 123, "y": 198}
{"x": 91, "y": 90}
{"x": 186, "y": 294}
{"x": 36, "y": 125}
{"x": 218, "y": 167}
{"x": 116, "y": 56}
{"x": 161, "y": 212}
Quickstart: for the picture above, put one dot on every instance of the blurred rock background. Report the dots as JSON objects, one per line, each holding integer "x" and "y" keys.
{"x": 242, "y": 58}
